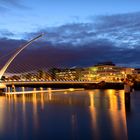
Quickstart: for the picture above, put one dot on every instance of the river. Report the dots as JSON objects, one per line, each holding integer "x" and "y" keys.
{"x": 76, "y": 115}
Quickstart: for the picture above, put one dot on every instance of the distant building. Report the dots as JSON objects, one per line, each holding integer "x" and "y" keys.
{"x": 137, "y": 70}
{"x": 107, "y": 63}
{"x": 103, "y": 73}
{"x": 43, "y": 75}
{"x": 106, "y": 71}
{"x": 68, "y": 74}
{"x": 137, "y": 74}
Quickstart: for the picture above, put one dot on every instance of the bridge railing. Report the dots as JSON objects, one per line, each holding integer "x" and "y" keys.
{"x": 54, "y": 80}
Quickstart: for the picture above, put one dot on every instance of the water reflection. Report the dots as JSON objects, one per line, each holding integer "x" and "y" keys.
{"x": 93, "y": 113}
{"x": 42, "y": 101}
{"x": 96, "y": 114}
{"x": 118, "y": 118}
{"x": 2, "y": 111}
{"x": 114, "y": 107}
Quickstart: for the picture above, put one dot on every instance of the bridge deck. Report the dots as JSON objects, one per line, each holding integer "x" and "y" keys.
{"x": 50, "y": 82}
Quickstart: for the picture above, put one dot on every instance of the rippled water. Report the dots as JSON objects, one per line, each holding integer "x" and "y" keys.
{"x": 82, "y": 115}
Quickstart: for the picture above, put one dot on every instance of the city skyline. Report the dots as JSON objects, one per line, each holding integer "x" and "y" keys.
{"x": 79, "y": 33}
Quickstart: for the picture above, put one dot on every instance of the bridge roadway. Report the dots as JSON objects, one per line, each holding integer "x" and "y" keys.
{"x": 28, "y": 83}
{"x": 62, "y": 84}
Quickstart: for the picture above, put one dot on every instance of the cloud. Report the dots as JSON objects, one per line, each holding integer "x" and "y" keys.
{"x": 6, "y": 33}
{"x": 111, "y": 38}
{"x": 6, "y": 4}
{"x": 47, "y": 55}
{"x": 121, "y": 29}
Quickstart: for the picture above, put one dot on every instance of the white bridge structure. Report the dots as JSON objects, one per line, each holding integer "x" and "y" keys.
{"x": 4, "y": 84}
{"x": 4, "y": 68}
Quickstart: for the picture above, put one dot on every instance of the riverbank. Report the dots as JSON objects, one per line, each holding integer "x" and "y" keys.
{"x": 101, "y": 85}
{"x": 111, "y": 85}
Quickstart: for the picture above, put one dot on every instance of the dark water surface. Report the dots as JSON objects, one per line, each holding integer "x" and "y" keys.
{"x": 81, "y": 115}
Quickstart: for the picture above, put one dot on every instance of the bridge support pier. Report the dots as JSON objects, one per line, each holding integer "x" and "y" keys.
{"x": 49, "y": 90}
{"x": 41, "y": 88}
{"x": 6, "y": 90}
{"x": 2, "y": 86}
{"x": 23, "y": 89}
{"x": 13, "y": 88}
{"x": 9, "y": 90}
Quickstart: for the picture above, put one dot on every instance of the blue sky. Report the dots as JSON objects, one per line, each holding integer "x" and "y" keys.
{"x": 87, "y": 31}
{"x": 21, "y": 16}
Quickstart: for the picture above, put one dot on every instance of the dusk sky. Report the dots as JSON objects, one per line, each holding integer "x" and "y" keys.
{"x": 79, "y": 32}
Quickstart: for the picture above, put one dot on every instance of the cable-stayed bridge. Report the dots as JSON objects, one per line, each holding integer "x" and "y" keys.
{"x": 4, "y": 84}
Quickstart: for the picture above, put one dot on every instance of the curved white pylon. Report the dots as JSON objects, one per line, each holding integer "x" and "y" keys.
{"x": 17, "y": 52}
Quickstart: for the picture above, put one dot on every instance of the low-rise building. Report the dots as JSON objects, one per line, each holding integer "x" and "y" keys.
{"x": 108, "y": 72}
{"x": 68, "y": 74}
